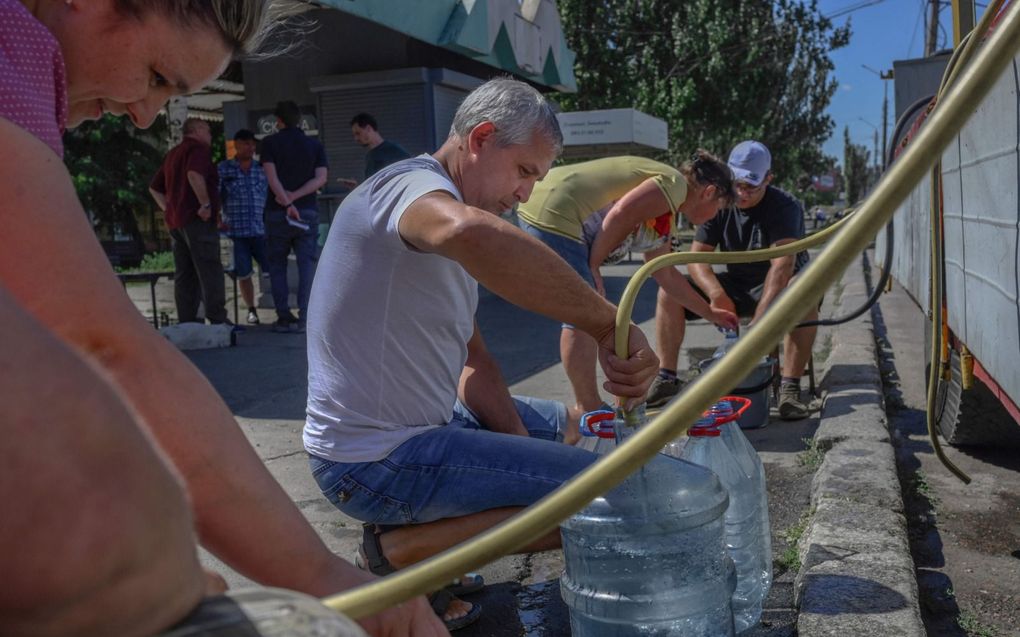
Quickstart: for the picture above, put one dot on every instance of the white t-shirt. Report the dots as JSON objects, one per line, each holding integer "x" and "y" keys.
{"x": 388, "y": 326}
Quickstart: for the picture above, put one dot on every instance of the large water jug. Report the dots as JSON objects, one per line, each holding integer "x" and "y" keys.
{"x": 647, "y": 558}
{"x": 745, "y": 517}
{"x": 749, "y": 461}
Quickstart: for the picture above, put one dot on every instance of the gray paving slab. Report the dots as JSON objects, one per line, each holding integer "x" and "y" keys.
{"x": 858, "y": 471}
{"x": 857, "y": 576}
{"x": 852, "y": 412}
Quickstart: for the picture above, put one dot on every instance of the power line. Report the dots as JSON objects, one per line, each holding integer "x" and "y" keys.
{"x": 852, "y": 8}
{"x": 920, "y": 18}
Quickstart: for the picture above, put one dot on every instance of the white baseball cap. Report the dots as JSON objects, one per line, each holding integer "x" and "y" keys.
{"x": 750, "y": 161}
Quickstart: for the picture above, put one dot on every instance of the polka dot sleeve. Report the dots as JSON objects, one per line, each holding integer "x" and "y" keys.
{"x": 33, "y": 89}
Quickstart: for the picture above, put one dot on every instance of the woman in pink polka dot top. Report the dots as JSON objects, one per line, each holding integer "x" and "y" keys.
{"x": 78, "y": 569}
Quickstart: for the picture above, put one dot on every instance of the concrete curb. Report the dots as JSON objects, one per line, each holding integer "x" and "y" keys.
{"x": 856, "y": 575}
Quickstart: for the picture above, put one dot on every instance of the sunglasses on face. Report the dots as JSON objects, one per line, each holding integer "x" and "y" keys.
{"x": 745, "y": 188}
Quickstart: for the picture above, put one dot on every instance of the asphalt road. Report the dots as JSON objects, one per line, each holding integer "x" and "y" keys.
{"x": 965, "y": 539}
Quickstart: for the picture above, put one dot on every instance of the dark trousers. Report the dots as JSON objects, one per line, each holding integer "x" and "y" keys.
{"x": 281, "y": 239}
{"x": 198, "y": 272}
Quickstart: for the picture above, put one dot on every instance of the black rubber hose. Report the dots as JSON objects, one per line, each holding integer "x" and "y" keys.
{"x": 883, "y": 280}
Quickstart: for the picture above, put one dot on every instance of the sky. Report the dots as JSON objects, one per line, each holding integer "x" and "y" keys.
{"x": 882, "y": 31}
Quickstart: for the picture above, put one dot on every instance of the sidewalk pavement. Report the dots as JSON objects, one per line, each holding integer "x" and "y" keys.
{"x": 857, "y": 575}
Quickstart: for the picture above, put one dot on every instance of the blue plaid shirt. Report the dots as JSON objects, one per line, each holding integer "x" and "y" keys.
{"x": 244, "y": 198}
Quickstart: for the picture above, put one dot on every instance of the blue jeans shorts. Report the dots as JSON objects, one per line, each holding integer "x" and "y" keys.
{"x": 457, "y": 469}
{"x": 575, "y": 253}
{"x": 245, "y": 250}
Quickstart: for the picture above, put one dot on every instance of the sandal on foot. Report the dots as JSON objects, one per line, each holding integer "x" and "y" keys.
{"x": 469, "y": 583}
{"x": 370, "y": 558}
{"x": 441, "y": 600}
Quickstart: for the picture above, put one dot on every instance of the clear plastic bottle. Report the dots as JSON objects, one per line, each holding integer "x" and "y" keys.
{"x": 729, "y": 340}
{"x": 648, "y": 557}
{"x": 751, "y": 464}
{"x": 745, "y": 517}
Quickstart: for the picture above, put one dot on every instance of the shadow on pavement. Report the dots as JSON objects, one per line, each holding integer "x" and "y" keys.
{"x": 524, "y": 343}
{"x": 265, "y": 375}
{"x": 508, "y": 608}
{"x": 841, "y": 594}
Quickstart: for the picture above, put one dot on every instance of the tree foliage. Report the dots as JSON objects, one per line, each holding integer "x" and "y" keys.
{"x": 111, "y": 163}
{"x": 717, "y": 71}
{"x": 856, "y": 173}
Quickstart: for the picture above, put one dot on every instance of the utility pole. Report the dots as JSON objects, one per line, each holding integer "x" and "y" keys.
{"x": 885, "y": 76}
{"x": 885, "y": 118}
{"x": 933, "y": 29}
{"x": 963, "y": 19}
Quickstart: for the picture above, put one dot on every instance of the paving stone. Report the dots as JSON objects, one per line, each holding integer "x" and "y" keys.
{"x": 852, "y": 412}
{"x": 859, "y": 471}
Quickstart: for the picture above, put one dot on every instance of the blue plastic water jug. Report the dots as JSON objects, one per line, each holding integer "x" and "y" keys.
{"x": 647, "y": 558}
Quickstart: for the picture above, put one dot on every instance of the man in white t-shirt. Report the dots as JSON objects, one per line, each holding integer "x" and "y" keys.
{"x": 409, "y": 419}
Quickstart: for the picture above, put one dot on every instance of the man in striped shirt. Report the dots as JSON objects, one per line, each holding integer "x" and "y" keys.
{"x": 243, "y": 189}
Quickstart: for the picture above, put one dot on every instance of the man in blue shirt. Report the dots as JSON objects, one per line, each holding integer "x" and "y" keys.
{"x": 296, "y": 168}
{"x": 243, "y": 189}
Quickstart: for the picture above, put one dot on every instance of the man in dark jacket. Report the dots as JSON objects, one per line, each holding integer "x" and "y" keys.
{"x": 295, "y": 166}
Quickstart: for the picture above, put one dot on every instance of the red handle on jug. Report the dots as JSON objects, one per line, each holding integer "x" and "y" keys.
{"x": 744, "y": 403}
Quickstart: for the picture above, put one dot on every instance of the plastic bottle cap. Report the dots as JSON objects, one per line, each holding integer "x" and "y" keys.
{"x": 709, "y": 430}
{"x": 597, "y": 423}
{"x": 705, "y": 426}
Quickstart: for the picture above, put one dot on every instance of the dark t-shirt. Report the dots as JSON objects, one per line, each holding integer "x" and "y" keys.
{"x": 295, "y": 156}
{"x": 777, "y": 216}
{"x": 172, "y": 180}
{"x": 383, "y": 155}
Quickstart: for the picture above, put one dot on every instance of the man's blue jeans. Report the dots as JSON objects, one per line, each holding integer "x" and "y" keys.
{"x": 281, "y": 238}
{"x": 457, "y": 469}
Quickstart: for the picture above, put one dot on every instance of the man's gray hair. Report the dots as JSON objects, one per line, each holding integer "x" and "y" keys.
{"x": 516, "y": 109}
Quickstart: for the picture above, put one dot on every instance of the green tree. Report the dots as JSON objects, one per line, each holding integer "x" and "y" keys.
{"x": 111, "y": 163}
{"x": 717, "y": 71}
{"x": 856, "y": 173}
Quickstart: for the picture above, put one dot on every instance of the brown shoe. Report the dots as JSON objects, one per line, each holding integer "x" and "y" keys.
{"x": 662, "y": 391}
{"x": 790, "y": 406}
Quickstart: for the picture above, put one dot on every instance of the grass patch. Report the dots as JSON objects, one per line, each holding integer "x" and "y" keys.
{"x": 919, "y": 485}
{"x": 974, "y": 628}
{"x": 152, "y": 262}
{"x": 789, "y": 559}
{"x": 812, "y": 456}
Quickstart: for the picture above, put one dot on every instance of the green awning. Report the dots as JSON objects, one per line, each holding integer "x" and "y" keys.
{"x": 522, "y": 38}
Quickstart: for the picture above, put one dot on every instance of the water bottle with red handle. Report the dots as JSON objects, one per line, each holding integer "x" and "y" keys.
{"x": 648, "y": 558}
{"x": 746, "y": 543}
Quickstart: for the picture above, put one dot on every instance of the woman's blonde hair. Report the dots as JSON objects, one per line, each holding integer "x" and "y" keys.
{"x": 244, "y": 25}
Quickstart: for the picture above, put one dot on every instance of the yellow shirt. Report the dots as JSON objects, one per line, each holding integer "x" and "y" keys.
{"x": 569, "y": 194}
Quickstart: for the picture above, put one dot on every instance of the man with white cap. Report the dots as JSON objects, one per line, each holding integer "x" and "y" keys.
{"x": 762, "y": 216}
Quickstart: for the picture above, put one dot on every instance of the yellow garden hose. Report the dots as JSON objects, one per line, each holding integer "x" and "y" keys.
{"x": 939, "y": 370}
{"x": 545, "y": 515}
